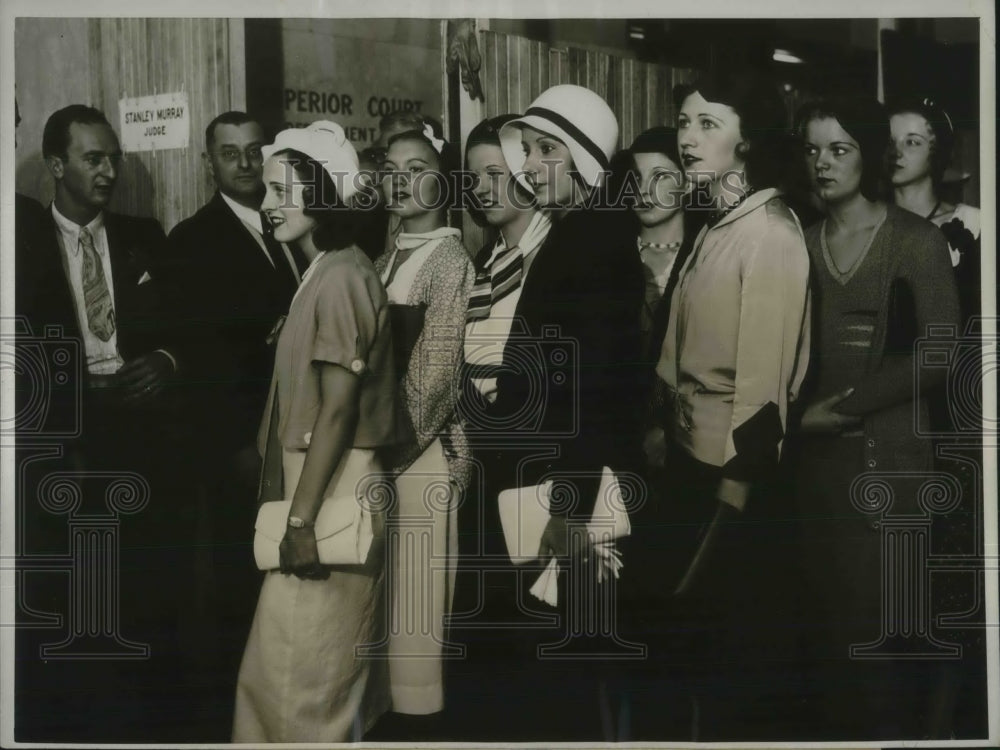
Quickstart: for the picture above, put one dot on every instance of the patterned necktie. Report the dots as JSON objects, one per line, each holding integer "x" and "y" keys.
{"x": 96, "y": 295}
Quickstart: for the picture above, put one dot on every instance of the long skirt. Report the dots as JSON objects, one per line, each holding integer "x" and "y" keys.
{"x": 307, "y": 673}
{"x": 423, "y": 543}
{"x": 725, "y": 651}
{"x": 859, "y": 688}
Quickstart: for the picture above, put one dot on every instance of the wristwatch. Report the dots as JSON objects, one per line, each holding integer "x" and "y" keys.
{"x": 297, "y": 523}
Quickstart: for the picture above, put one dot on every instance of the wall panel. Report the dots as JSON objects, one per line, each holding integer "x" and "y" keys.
{"x": 515, "y": 70}
{"x": 105, "y": 59}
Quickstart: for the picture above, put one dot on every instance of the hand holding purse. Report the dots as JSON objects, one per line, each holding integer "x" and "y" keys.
{"x": 525, "y": 518}
{"x": 343, "y": 532}
{"x": 343, "y": 527}
{"x": 299, "y": 555}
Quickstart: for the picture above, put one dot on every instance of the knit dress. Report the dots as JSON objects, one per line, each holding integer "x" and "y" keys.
{"x": 850, "y": 487}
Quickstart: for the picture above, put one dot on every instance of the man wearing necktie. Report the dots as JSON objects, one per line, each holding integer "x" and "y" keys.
{"x": 94, "y": 274}
{"x": 233, "y": 283}
{"x": 106, "y": 260}
{"x": 97, "y": 274}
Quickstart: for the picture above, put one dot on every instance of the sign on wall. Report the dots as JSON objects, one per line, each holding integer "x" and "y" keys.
{"x": 356, "y": 72}
{"x": 154, "y": 123}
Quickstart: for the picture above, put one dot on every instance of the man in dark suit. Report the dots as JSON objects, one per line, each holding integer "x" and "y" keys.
{"x": 112, "y": 306}
{"x": 93, "y": 274}
{"x": 234, "y": 283}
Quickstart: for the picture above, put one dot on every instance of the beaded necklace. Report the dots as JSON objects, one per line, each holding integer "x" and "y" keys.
{"x": 657, "y": 245}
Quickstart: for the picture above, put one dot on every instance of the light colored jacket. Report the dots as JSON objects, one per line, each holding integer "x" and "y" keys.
{"x": 737, "y": 343}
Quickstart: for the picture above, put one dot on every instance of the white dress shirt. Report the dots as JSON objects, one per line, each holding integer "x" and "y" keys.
{"x": 103, "y": 357}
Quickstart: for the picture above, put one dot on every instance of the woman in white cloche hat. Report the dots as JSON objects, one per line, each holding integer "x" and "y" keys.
{"x": 562, "y": 404}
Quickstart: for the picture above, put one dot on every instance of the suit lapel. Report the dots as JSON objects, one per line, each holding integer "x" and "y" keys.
{"x": 55, "y": 276}
{"x": 538, "y": 279}
{"x": 233, "y": 227}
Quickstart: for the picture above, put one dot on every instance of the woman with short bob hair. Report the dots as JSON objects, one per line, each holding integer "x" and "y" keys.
{"x": 731, "y": 363}
{"x": 764, "y": 145}
{"x": 881, "y": 276}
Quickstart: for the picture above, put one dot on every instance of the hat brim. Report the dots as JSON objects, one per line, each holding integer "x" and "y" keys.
{"x": 510, "y": 143}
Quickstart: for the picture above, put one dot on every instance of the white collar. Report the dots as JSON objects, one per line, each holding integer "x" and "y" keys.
{"x": 414, "y": 240}
{"x": 72, "y": 229}
{"x": 751, "y": 203}
{"x": 244, "y": 214}
{"x": 534, "y": 235}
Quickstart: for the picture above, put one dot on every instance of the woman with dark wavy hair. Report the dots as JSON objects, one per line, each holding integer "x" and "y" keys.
{"x": 881, "y": 275}
{"x": 731, "y": 364}
{"x": 332, "y": 404}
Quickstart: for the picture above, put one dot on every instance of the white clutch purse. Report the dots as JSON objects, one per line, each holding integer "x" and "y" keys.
{"x": 343, "y": 532}
{"x": 524, "y": 513}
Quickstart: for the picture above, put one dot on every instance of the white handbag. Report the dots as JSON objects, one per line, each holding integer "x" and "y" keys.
{"x": 524, "y": 513}
{"x": 343, "y": 532}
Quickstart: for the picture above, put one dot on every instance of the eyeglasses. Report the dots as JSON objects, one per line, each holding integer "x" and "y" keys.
{"x": 233, "y": 154}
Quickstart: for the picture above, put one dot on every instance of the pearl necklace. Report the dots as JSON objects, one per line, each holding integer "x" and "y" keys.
{"x": 658, "y": 245}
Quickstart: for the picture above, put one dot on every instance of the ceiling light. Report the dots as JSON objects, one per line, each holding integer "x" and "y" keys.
{"x": 784, "y": 56}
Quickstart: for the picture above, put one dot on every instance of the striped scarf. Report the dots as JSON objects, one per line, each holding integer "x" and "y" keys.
{"x": 504, "y": 271}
